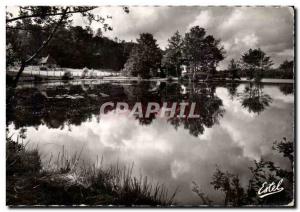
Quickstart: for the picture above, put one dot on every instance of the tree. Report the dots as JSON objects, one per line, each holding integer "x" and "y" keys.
{"x": 255, "y": 62}
{"x": 254, "y": 99}
{"x": 287, "y": 69}
{"x": 232, "y": 89}
{"x": 260, "y": 172}
{"x": 287, "y": 89}
{"x": 78, "y": 47}
{"x": 48, "y": 18}
{"x": 287, "y": 65}
{"x": 202, "y": 53}
{"x": 233, "y": 68}
{"x": 172, "y": 58}
{"x": 145, "y": 58}
{"x": 230, "y": 185}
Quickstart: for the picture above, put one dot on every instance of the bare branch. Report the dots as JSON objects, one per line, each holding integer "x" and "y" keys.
{"x": 25, "y": 29}
{"x": 45, "y": 43}
{"x": 49, "y": 14}
{"x": 64, "y": 13}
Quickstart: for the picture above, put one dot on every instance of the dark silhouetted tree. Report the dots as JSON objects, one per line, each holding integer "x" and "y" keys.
{"x": 255, "y": 62}
{"x": 230, "y": 185}
{"x": 48, "y": 18}
{"x": 145, "y": 58}
{"x": 287, "y": 89}
{"x": 254, "y": 99}
{"x": 233, "y": 69}
{"x": 202, "y": 52}
{"x": 172, "y": 58}
{"x": 287, "y": 65}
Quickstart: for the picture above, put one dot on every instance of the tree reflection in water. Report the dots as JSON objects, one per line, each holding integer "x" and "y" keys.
{"x": 232, "y": 89}
{"x": 208, "y": 106}
{"x": 254, "y": 99}
{"x": 287, "y": 89}
{"x": 66, "y": 105}
{"x": 262, "y": 171}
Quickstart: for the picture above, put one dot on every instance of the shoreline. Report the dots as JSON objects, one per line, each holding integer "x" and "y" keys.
{"x": 71, "y": 184}
{"x": 172, "y": 80}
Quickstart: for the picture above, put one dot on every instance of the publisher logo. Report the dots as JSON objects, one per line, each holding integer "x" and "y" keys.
{"x": 269, "y": 189}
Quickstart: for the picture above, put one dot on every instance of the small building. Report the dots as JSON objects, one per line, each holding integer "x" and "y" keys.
{"x": 48, "y": 62}
{"x": 184, "y": 70}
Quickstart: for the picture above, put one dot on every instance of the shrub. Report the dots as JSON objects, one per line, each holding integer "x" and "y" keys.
{"x": 19, "y": 160}
{"x": 43, "y": 68}
{"x": 67, "y": 75}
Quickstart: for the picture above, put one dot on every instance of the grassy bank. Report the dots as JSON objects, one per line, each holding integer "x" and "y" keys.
{"x": 29, "y": 183}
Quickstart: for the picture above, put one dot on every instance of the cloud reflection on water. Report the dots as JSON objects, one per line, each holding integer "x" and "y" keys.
{"x": 175, "y": 157}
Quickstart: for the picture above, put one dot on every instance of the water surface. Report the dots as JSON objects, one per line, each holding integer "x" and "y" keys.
{"x": 238, "y": 124}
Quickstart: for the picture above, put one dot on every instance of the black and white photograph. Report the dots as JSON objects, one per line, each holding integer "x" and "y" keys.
{"x": 150, "y": 106}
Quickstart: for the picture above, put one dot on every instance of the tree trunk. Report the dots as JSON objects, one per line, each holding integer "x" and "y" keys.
{"x": 19, "y": 74}
{"x": 194, "y": 73}
{"x": 207, "y": 76}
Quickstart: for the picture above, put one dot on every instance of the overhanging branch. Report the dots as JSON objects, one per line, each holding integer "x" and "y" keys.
{"x": 48, "y": 14}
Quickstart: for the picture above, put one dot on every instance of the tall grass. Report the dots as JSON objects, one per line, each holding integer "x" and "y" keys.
{"x": 66, "y": 179}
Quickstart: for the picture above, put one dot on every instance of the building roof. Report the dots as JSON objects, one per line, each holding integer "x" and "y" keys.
{"x": 47, "y": 59}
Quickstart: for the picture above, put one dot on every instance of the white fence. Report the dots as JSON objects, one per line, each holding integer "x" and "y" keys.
{"x": 59, "y": 72}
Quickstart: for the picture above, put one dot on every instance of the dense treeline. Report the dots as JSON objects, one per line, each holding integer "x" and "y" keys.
{"x": 42, "y": 31}
{"x": 196, "y": 56}
{"x": 75, "y": 47}
{"x": 255, "y": 64}
{"x": 196, "y": 50}
{"x": 30, "y": 32}
{"x": 78, "y": 47}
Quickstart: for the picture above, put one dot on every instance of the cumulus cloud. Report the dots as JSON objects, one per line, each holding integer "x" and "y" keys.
{"x": 239, "y": 28}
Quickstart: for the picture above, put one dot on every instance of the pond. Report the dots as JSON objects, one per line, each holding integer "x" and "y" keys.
{"x": 238, "y": 124}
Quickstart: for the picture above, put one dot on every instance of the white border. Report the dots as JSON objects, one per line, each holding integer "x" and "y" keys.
{"x": 4, "y": 3}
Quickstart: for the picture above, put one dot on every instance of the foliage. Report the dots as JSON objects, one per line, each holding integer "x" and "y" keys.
{"x": 172, "y": 58}
{"x": 255, "y": 62}
{"x": 254, "y": 99}
{"x": 232, "y": 89}
{"x": 66, "y": 105}
{"x": 287, "y": 66}
{"x": 144, "y": 59}
{"x": 208, "y": 106}
{"x": 10, "y": 55}
{"x": 19, "y": 160}
{"x": 67, "y": 75}
{"x": 202, "y": 52}
{"x": 22, "y": 28}
{"x": 286, "y": 147}
{"x": 287, "y": 89}
{"x": 78, "y": 47}
{"x": 262, "y": 171}
{"x": 73, "y": 47}
{"x": 197, "y": 190}
{"x": 234, "y": 68}
{"x": 286, "y": 70}
{"x": 230, "y": 185}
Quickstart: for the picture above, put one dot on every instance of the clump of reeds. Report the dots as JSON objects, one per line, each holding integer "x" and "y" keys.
{"x": 67, "y": 180}
{"x": 19, "y": 159}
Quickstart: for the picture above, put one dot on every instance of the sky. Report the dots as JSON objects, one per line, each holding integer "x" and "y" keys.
{"x": 239, "y": 28}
